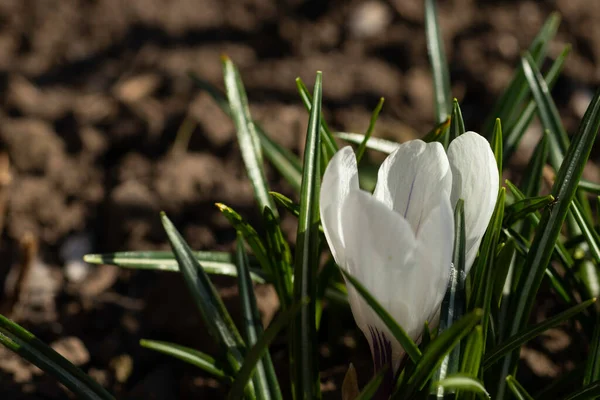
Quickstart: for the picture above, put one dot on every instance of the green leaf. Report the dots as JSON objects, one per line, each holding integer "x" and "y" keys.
{"x": 377, "y": 144}
{"x": 464, "y": 383}
{"x": 559, "y": 248}
{"x": 592, "y": 366}
{"x": 453, "y": 305}
{"x": 515, "y": 341}
{"x": 324, "y": 282}
{"x": 550, "y": 225}
{"x": 502, "y": 266}
{"x": 213, "y": 262}
{"x": 497, "y": 146}
{"x": 305, "y": 354}
{"x": 589, "y": 233}
{"x": 516, "y": 129}
{"x": 280, "y": 258}
{"x": 25, "y": 344}
{"x": 507, "y": 108}
{"x": 522, "y": 208}
{"x": 251, "y": 236}
{"x": 399, "y": 334}
{"x": 327, "y": 139}
{"x": 442, "y": 345}
{"x": 556, "y": 280}
{"x": 257, "y": 351}
{"x": 247, "y": 135}
{"x": 457, "y": 125}
{"x": 438, "y": 133}
{"x": 589, "y": 186}
{"x": 218, "y": 321}
{"x": 439, "y": 66}
{"x": 518, "y": 390}
{"x": 591, "y": 391}
{"x": 559, "y": 141}
{"x": 264, "y": 379}
{"x": 370, "y": 388}
{"x": 473, "y": 352}
{"x": 363, "y": 145}
{"x": 286, "y": 162}
{"x": 484, "y": 267}
{"x": 532, "y": 177}
{"x": 190, "y": 356}
{"x": 282, "y": 159}
{"x": 286, "y": 203}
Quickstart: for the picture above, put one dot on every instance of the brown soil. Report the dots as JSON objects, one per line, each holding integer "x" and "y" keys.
{"x": 94, "y": 93}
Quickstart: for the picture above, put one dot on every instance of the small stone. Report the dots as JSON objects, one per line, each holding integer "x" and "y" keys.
{"x": 72, "y": 349}
{"x": 369, "y": 19}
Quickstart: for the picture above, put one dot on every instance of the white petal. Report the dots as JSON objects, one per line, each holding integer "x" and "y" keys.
{"x": 475, "y": 179}
{"x": 434, "y": 257}
{"x": 413, "y": 179}
{"x": 379, "y": 253}
{"x": 340, "y": 178}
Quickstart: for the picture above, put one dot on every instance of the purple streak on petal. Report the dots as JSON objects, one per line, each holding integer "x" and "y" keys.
{"x": 382, "y": 356}
{"x": 412, "y": 185}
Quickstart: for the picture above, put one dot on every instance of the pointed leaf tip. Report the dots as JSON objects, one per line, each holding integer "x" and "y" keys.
{"x": 91, "y": 258}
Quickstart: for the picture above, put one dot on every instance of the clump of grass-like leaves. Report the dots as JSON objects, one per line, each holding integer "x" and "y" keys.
{"x": 485, "y": 316}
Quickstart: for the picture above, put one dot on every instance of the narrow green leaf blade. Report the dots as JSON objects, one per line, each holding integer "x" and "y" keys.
{"x": 485, "y": 263}
{"x": 213, "y": 262}
{"x": 473, "y": 352}
{"x": 497, "y": 145}
{"x": 453, "y": 305}
{"x": 378, "y": 144}
{"x": 280, "y": 257}
{"x": 457, "y": 125}
{"x": 516, "y": 341}
{"x": 591, "y": 391}
{"x": 262, "y": 345}
{"x": 442, "y": 345}
{"x": 327, "y": 139}
{"x": 305, "y": 355}
{"x": 550, "y": 225}
{"x": 26, "y": 345}
{"x": 218, "y": 321}
{"x": 589, "y": 186}
{"x": 189, "y": 355}
{"x": 559, "y": 141}
{"x": 589, "y": 233}
{"x": 463, "y": 383}
{"x": 246, "y": 132}
{"x": 363, "y": 145}
{"x": 522, "y": 208}
{"x": 508, "y": 105}
{"x": 286, "y": 203}
{"x": 282, "y": 159}
{"x": 253, "y": 326}
{"x": 532, "y": 177}
{"x": 516, "y": 129}
{"x": 370, "y": 388}
{"x": 439, "y": 133}
{"x": 592, "y": 366}
{"x": 251, "y": 236}
{"x": 439, "y": 66}
{"x": 518, "y": 390}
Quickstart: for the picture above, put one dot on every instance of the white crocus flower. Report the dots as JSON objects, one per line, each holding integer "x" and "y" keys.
{"x": 398, "y": 241}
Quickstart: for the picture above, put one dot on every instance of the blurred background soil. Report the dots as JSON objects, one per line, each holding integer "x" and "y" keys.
{"x": 93, "y": 93}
